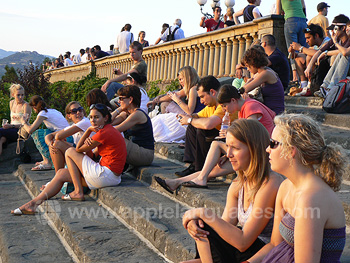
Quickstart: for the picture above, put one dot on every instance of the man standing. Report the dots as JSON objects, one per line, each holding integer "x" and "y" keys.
{"x": 203, "y": 126}
{"x": 279, "y": 62}
{"x": 124, "y": 39}
{"x": 174, "y": 32}
{"x": 213, "y": 23}
{"x": 321, "y": 19}
{"x": 67, "y": 61}
{"x": 111, "y": 86}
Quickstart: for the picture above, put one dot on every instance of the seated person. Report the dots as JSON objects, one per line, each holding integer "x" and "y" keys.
{"x": 97, "y": 96}
{"x": 136, "y": 126}
{"x": 249, "y": 13}
{"x": 315, "y": 39}
{"x": 166, "y": 128}
{"x": 57, "y": 141}
{"x": 203, "y": 126}
{"x": 82, "y": 169}
{"x": 18, "y": 108}
{"x": 309, "y": 223}
{"x": 53, "y": 120}
{"x": 139, "y": 66}
{"x": 271, "y": 86}
{"x": 250, "y": 201}
{"x": 215, "y": 164}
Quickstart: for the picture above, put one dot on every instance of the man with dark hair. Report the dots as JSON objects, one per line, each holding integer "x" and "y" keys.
{"x": 321, "y": 19}
{"x": 67, "y": 61}
{"x": 124, "y": 39}
{"x": 278, "y": 60}
{"x": 213, "y": 23}
{"x": 203, "y": 126}
{"x": 315, "y": 39}
{"x": 111, "y": 86}
{"x": 99, "y": 53}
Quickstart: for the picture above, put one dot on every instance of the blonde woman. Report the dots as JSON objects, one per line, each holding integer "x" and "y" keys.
{"x": 18, "y": 108}
{"x": 309, "y": 224}
{"x": 166, "y": 128}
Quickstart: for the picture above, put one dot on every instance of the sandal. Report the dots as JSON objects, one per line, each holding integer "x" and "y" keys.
{"x": 19, "y": 212}
{"x": 42, "y": 167}
{"x": 67, "y": 197}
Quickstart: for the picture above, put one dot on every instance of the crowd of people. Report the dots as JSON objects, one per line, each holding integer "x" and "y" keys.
{"x": 284, "y": 168}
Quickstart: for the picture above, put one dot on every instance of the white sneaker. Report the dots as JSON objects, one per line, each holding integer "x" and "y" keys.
{"x": 303, "y": 92}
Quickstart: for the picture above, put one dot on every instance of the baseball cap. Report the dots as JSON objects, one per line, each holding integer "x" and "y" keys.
{"x": 135, "y": 76}
{"x": 339, "y": 20}
{"x": 322, "y": 5}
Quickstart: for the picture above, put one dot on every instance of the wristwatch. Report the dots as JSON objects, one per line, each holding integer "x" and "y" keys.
{"x": 301, "y": 49}
{"x": 326, "y": 52}
{"x": 189, "y": 120}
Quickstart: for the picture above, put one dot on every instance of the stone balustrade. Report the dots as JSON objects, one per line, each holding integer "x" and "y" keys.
{"x": 214, "y": 53}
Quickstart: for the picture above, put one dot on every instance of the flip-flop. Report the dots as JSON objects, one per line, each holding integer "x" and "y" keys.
{"x": 19, "y": 212}
{"x": 67, "y": 197}
{"x": 37, "y": 163}
{"x": 42, "y": 167}
{"x": 163, "y": 184}
{"x": 193, "y": 184}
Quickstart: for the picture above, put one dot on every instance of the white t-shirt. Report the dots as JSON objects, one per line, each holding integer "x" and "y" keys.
{"x": 144, "y": 100}
{"x": 54, "y": 119}
{"x": 124, "y": 40}
{"x": 83, "y": 125}
{"x": 84, "y": 58}
{"x": 179, "y": 33}
{"x": 68, "y": 62}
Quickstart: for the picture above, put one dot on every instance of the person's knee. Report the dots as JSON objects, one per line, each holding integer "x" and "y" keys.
{"x": 61, "y": 175}
{"x": 70, "y": 152}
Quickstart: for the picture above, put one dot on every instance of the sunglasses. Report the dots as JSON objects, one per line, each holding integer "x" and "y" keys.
{"x": 274, "y": 144}
{"x": 75, "y": 110}
{"x": 122, "y": 98}
{"x": 98, "y": 106}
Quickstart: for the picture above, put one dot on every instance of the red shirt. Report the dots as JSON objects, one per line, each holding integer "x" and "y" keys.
{"x": 211, "y": 24}
{"x": 112, "y": 148}
{"x": 251, "y": 107}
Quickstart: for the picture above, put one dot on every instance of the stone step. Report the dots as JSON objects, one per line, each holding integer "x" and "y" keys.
{"x": 24, "y": 239}
{"x": 92, "y": 232}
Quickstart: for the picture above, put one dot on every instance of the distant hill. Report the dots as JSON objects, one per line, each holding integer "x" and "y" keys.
{"x": 4, "y": 53}
{"x": 21, "y": 59}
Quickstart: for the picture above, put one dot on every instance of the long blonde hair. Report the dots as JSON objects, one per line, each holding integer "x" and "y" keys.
{"x": 256, "y": 137}
{"x": 303, "y": 133}
{"x": 190, "y": 76}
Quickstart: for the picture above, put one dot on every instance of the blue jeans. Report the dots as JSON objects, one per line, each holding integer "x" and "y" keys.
{"x": 293, "y": 32}
{"x": 337, "y": 72}
{"x": 112, "y": 89}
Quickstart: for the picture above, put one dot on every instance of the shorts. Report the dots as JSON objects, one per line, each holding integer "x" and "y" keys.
{"x": 98, "y": 176}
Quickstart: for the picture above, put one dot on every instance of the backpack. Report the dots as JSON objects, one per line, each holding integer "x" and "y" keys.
{"x": 338, "y": 98}
{"x": 171, "y": 35}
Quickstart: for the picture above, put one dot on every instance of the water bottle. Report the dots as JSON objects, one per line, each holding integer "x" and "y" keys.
{"x": 225, "y": 121}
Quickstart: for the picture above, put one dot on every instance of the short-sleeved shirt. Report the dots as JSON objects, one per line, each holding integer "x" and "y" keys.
{"x": 251, "y": 106}
{"x": 141, "y": 68}
{"x": 83, "y": 125}
{"x": 54, "y": 119}
{"x": 112, "y": 148}
{"x": 279, "y": 64}
{"x": 211, "y": 24}
{"x": 322, "y": 21}
{"x": 215, "y": 111}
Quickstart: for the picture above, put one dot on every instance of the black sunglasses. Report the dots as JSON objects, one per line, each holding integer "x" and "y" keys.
{"x": 121, "y": 98}
{"x": 98, "y": 106}
{"x": 274, "y": 144}
{"x": 75, "y": 110}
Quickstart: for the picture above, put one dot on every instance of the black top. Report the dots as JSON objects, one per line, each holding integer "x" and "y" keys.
{"x": 281, "y": 66}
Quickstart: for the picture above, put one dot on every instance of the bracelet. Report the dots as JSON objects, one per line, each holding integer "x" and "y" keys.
{"x": 180, "y": 102}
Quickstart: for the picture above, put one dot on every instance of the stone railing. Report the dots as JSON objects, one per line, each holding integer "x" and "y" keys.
{"x": 215, "y": 53}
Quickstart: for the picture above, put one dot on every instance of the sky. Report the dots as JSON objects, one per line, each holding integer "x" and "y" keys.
{"x": 54, "y": 27}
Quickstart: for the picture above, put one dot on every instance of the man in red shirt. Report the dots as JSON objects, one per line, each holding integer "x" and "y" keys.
{"x": 213, "y": 23}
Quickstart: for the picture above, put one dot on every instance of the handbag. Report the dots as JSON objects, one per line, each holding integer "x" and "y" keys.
{"x": 23, "y": 135}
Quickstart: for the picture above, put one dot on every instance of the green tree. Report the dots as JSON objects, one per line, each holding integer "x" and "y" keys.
{"x": 10, "y": 76}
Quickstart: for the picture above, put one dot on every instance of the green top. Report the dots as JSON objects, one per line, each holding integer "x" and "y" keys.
{"x": 292, "y": 8}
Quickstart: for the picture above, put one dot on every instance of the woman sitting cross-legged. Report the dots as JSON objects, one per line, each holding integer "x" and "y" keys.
{"x": 309, "y": 223}
{"x": 136, "y": 126}
{"x": 250, "y": 201}
{"x": 18, "y": 108}
{"x": 215, "y": 164}
{"x": 82, "y": 169}
{"x": 53, "y": 120}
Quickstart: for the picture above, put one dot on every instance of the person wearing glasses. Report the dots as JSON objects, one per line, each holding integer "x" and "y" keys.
{"x": 82, "y": 170}
{"x": 250, "y": 201}
{"x": 53, "y": 120}
{"x": 214, "y": 23}
{"x": 136, "y": 126}
{"x": 309, "y": 223}
{"x": 18, "y": 107}
{"x": 57, "y": 141}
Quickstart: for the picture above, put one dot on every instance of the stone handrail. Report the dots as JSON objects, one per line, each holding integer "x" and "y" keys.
{"x": 214, "y": 53}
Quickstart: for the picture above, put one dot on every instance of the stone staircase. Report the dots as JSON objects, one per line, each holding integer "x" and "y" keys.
{"x": 137, "y": 221}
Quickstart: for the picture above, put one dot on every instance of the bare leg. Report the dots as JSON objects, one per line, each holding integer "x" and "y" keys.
{"x": 198, "y": 260}
{"x": 57, "y": 155}
{"x": 2, "y": 141}
{"x": 300, "y": 66}
{"x": 51, "y": 190}
{"x": 204, "y": 251}
{"x": 74, "y": 162}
